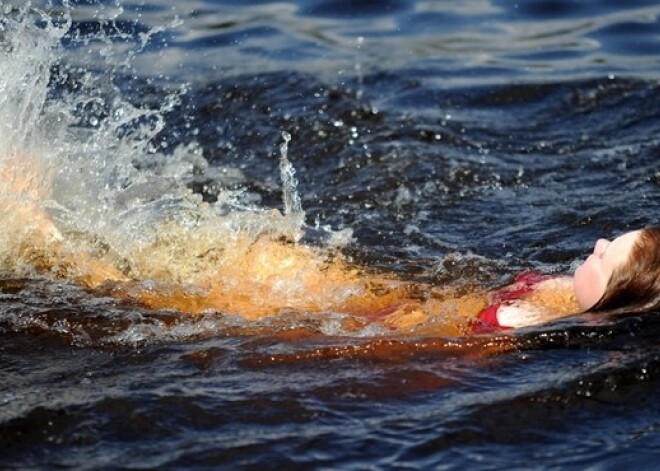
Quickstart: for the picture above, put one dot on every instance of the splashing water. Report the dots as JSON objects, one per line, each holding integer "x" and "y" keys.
{"x": 79, "y": 162}
{"x": 107, "y": 203}
{"x": 291, "y": 198}
{"x": 292, "y": 203}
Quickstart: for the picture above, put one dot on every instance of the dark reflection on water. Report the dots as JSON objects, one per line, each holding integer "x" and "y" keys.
{"x": 457, "y": 141}
{"x": 474, "y": 41}
{"x": 457, "y": 173}
{"x": 573, "y": 396}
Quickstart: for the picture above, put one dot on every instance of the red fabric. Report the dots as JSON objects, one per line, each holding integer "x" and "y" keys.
{"x": 487, "y": 321}
{"x": 522, "y": 284}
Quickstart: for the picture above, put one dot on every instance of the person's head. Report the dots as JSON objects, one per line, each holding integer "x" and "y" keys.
{"x": 623, "y": 274}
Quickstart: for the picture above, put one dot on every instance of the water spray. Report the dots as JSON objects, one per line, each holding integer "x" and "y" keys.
{"x": 290, "y": 196}
{"x": 293, "y": 210}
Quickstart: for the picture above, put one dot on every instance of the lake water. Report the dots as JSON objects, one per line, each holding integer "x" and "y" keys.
{"x": 445, "y": 142}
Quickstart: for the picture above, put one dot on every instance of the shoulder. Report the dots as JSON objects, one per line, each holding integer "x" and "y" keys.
{"x": 555, "y": 283}
{"x": 526, "y": 302}
{"x": 513, "y": 315}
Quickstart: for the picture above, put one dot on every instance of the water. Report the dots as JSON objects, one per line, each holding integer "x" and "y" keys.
{"x": 444, "y": 144}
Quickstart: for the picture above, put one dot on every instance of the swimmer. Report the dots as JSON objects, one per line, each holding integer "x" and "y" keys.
{"x": 622, "y": 275}
{"x": 265, "y": 276}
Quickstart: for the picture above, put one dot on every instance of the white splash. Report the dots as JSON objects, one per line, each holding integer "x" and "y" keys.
{"x": 79, "y": 168}
{"x": 292, "y": 204}
{"x": 97, "y": 173}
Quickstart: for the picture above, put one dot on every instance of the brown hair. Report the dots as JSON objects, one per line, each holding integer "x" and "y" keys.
{"x": 634, "y": 287}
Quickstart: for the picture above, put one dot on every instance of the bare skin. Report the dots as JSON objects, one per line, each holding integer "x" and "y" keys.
{"x": 591, "y": 278}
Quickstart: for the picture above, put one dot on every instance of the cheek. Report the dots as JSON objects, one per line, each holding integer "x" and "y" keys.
{"x": 589, "y": 284}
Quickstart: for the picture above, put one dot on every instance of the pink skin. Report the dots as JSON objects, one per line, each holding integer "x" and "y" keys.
{"x": 591, "y": 278}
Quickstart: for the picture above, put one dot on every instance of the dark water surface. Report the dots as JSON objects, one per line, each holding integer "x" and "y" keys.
{"x": 458, "y": 141}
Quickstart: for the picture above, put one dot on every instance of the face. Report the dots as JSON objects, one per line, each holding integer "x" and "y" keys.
{"x": 591, "y": 278}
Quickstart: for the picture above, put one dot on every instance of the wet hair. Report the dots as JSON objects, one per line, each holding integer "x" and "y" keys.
{"x": 634, "y": 287}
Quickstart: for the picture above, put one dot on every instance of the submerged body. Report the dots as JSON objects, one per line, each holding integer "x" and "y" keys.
{"x": 264, "y": 275}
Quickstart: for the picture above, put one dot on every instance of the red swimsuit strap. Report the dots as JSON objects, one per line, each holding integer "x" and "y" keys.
{"x": 522, "y": 284}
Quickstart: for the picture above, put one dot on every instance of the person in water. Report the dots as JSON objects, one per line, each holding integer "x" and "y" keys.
{"x": 622, "y": 275}
{"x": 261, "y": 276}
